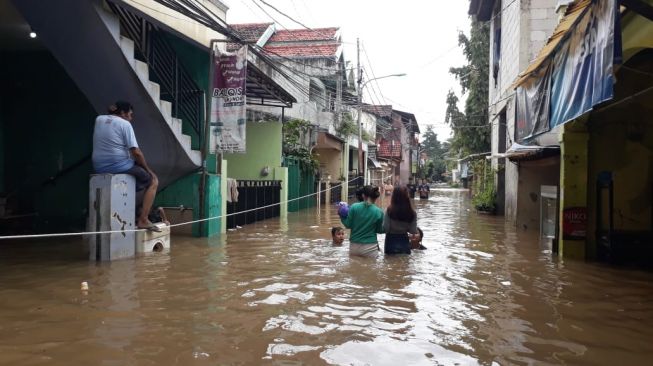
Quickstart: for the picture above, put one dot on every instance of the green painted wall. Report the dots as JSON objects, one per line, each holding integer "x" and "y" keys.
{"x": 263, "y": 149}
{"x": 185, "y": 191}
{"x": 47, "y": 125}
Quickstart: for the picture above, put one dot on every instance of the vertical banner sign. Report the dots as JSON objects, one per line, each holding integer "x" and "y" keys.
{"x": 583, "y": 67}
{"x": 532, "y": 99}
{"x": 228, "y": 104}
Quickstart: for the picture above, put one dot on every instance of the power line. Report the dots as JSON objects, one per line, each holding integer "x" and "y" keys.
{"x": 284, "y": 14}
{"x": 268, "y": 14}
{"x": 439, "y": 57}
{"x": 372, "y": 71}
{"x": 502, "y": 10}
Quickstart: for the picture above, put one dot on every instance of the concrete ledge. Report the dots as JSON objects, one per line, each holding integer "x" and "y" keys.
{"x": 153, "y": 241}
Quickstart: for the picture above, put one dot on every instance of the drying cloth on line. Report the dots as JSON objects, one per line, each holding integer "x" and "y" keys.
{"x": 232, "y": 190}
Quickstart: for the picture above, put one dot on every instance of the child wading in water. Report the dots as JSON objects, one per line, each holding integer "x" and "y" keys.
{"x": 416, "y": 240}
{"x": 365, "y": 219}
{"x": 338, "y": 235}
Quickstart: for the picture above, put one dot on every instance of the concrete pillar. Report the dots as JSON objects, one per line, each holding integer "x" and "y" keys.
{"x": 223, "y": 197}
{"x": 281, "y": 173}
{"x": 111, "y": 207}
{"x": 366, "y": 176}
{"x": 345, "y": 173}
{"x": 573, "y": 185}
{"x": 327, "y": 198}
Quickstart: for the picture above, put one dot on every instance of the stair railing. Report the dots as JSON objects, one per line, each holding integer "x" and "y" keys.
{"x": 177, "y": 86}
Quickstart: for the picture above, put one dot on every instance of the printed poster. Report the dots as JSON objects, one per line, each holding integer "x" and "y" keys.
{"x": 228, "y": 103}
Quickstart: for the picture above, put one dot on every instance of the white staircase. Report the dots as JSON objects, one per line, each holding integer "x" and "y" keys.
{"x": 102, "y": 65}
{"x": 142, "y": 70}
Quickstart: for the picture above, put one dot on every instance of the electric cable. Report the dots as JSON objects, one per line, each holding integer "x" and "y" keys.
{"x": 284, "y": 14}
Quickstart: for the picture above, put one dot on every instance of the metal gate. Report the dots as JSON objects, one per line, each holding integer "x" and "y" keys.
{"x": 254, "y": 194}
{"x": 301, "y": 183}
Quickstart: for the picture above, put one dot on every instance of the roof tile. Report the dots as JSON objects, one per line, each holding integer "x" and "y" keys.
{"x": 304, "y": 50}
{"x": 315, "y": 34}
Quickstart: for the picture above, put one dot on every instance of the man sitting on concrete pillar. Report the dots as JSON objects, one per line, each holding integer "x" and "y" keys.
{"x": 116, "y": 151}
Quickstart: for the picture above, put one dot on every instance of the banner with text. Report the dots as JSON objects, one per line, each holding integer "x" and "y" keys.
{"x": 583, "y": 66}
{"x": 228, "y": 103}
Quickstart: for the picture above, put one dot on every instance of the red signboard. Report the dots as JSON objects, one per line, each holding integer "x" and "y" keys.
{"x": 574, "y": 223}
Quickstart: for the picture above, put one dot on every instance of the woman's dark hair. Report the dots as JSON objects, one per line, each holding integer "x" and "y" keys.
{"x": 359, "y": 194}
{"x": 120, "y": 107}
{"x": 371, "y": 192}
{"x": 421, "y": 234}
{"x": 400, "y": 208}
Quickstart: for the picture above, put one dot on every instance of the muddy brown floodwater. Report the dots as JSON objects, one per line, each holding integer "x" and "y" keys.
{"x": 278, "y": 293}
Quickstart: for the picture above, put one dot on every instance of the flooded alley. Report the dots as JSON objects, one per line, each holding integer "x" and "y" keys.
{"x": 279, "y": 293}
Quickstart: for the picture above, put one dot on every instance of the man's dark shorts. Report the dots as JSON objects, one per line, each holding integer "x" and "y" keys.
{"x": 143, "y": 178}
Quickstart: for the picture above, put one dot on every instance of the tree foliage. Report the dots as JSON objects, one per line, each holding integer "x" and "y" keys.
{"x": 471, "y": 130}
{"x": 295, "y": 145}
{"x": 435, "y": 151}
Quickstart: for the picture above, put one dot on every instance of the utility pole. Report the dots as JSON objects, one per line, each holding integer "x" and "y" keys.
{"x": 361, "y": 164}
{"x": 339, "y": 76}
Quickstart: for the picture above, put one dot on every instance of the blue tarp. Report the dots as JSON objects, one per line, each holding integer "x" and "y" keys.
{"x": 583, "y": 65}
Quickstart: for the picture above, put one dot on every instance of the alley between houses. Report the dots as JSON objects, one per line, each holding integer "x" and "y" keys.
{"x": 277, "y": 292}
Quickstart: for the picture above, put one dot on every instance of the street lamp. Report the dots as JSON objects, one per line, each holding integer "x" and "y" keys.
{"x": 361, "y": 164}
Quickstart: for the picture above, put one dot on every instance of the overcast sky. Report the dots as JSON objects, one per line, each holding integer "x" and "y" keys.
{"x": 415, "y": 37}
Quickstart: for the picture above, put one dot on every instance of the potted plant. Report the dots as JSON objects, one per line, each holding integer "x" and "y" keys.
{"x": 485, "y": 201}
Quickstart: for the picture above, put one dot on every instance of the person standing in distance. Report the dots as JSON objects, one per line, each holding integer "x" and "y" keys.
{"x": 116, "y": 151}
{"x": 423, "y": 190}
{"x": 365, "y": 219}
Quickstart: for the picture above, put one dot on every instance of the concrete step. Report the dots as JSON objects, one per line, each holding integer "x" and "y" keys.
{"x": 195, "y": 157}
{"x": 143, "y": 71}
{"x": 176, "y": 126}
{"x": 186, "y": 141}
{"x": 127, "y": 46}
{"x": 166, "y": 110}
{"x": 155, "y": 91}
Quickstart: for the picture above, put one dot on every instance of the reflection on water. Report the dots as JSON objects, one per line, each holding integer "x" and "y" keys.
{"x": 271, "y": 293}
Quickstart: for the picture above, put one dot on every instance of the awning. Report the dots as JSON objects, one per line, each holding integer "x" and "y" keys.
{"x": 372, "y": 164}
{"x": 573, "y": 13}
{"x": 523, "y": 152}
{"x": 263, "y": 90}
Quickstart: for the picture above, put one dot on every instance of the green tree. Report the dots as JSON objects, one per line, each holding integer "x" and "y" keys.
{"x": 294, "y": 143}
{"x": 435, "y": 152}
{"x": 471, "y": 130}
